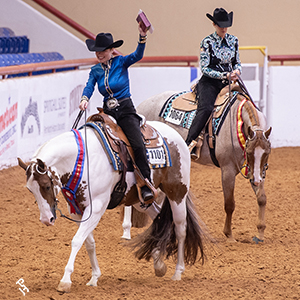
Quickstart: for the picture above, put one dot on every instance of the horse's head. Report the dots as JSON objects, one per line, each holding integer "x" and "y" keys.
{"x": 258, "y": 148}
{"x": 44, "y": 185}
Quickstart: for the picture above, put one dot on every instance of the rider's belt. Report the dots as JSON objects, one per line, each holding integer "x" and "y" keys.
{"x": 112, "y": 103}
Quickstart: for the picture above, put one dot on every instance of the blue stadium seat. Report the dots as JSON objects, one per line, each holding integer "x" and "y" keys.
{"x": 15, "y": 44}
{"x": 14, "y": 50}
{"x": 6, "y": 32}
{"x": 24, "y": 44}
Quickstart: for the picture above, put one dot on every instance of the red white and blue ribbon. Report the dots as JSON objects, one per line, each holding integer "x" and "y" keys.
{"x": 69, "y": 190}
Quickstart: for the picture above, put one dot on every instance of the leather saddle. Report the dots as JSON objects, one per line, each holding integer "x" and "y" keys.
{"x": 120, "y": 144}
{"x": 115, "y": 134}
{"x": 223, "y": 98}
{"x": 221, "y": 103}
{"x": 186, "y": 102}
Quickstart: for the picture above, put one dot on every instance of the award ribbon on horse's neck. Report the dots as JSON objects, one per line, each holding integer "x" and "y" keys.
{"x": 69, "y": 190}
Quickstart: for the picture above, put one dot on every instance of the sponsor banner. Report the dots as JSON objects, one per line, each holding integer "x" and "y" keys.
{"x": 37, "y": 108}
{"x": 8, "y": 124}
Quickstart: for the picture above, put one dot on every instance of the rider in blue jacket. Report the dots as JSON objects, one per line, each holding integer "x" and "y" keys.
{"x": 111, "y": 76}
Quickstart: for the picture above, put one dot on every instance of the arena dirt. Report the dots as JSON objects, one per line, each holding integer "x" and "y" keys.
{"x": 241, "y": 270}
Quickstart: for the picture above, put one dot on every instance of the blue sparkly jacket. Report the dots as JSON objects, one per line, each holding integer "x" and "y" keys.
{"x": 118, "y": 81}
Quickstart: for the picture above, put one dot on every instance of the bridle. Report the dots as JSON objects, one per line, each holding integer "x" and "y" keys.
{"x": 55, "y": 200}
{"x": 266, "y": 165}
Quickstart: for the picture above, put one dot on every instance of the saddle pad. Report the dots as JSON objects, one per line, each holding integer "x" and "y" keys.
{"x": 176, "y": 116}
{"x": 158, "y": 157}
{"x": 113, "y": 156}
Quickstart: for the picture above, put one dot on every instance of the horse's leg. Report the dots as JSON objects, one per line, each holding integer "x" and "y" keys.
{"x": 261, "y": 201}
{"x": 91, "y": 250}
{"x": 90, "y": 246}
{"x": 127, "y": 223}
{"x": 179, "y": 218}
{"x": 160, "y": 267}
{"x": 81, "y": 235}
{"x": 228, "y": 182}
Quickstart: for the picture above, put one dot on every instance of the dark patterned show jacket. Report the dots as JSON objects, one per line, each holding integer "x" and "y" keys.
{"x": 219, "y": 56}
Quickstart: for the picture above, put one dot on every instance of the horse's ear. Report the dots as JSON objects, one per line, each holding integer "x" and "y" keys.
{"x": 41, "y": 165}
{"x": 22, "y": 164}
{"x": 250, "y": 133}
{"x": 268, "y": 132}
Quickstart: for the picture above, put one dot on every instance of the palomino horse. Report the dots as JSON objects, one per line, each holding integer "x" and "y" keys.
{"x": 50, "y": 170}
{"x": 243, "y": 135}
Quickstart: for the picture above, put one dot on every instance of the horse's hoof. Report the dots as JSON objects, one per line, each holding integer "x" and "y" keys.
{"x": 257, "y": 240}
{"x": 92, "y": 282}
{"x": 176, "y": 276}
{"x": 64, "y": 287}
{"x": 126, "y": 235}
{"x": 231, "y": 240}
{"x": 161, "y": 271}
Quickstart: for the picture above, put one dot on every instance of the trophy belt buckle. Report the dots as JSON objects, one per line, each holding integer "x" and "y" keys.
{"x": 112, "y": 103}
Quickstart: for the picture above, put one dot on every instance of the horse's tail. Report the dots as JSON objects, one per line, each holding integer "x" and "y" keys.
{"x": 193, "y": 241}
{"x": 161, "y": 235}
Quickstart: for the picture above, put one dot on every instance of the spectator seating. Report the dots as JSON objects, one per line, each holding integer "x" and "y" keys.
{"x": 14, "y": 50}
{"x": 14, "y": 44}
{"x": 11, "y": 59}
{"x": 10, "y": 43}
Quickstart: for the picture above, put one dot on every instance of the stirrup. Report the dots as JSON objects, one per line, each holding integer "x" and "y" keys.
{"x": 146, "y": 204}
{"x": 192, "y": 145}
{"x": 195, "y": 153}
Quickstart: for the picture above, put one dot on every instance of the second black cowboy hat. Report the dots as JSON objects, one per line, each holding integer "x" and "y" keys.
{"x": 221, "y": 17}
{"x": 103, "y": 41}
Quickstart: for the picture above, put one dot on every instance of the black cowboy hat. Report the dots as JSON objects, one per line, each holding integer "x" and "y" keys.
{"x": 103, "y": 41}
{"x": 221, "y": 17}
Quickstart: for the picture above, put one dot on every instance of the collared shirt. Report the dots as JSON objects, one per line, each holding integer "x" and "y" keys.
{"x": 219, "y": 56}
{"x": 112, "y": 79}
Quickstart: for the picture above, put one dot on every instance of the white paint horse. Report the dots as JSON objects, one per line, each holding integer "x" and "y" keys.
{"x": 51, "y": 167}
{"x": 250, "y": 124}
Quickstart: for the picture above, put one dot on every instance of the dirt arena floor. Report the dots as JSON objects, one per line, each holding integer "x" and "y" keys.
{"x": 243, "y": 270}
